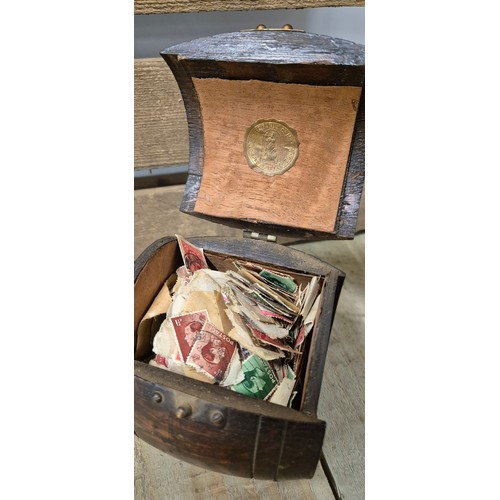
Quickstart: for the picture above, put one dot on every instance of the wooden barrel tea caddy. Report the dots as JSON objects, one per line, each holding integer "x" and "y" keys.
{"x": 276, "y": 131}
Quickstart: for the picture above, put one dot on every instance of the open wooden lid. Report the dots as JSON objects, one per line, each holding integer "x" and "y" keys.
{"x": 276, "y": 131}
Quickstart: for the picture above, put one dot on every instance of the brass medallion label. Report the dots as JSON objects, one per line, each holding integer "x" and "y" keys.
{"x": 271, "y": 147}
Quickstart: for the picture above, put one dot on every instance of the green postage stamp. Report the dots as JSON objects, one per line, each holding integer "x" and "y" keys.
{"x": 260, "y": 380}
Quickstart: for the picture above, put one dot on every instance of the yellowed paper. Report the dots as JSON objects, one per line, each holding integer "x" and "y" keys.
{"x": 213, "y": 303}
{"x": 241, "y": 334}
{"x": 182, "y": 369}
{"x": 164, "y": 342}
{"x": 282, "y": 394}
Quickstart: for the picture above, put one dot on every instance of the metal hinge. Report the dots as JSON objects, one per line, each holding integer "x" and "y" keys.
{"x": 247, "y": 233}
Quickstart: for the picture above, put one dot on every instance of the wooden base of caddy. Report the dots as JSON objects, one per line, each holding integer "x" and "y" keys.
{"x": 225, "y": 431}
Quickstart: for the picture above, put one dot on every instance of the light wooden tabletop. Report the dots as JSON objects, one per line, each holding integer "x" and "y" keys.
{"x": 341, "y": 405}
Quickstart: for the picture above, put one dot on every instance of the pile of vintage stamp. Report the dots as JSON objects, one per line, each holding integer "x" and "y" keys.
{"x": 244, "y": 329}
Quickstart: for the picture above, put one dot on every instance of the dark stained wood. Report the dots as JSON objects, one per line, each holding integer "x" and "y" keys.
{"x": 319, "y": 343}
{"x": 269, "y": 445}
{"x": 191, "y": 190}
{"x": 289, "y": 57}
{"x": 154, "y": 272}
{"x": 171, "y": 6}
{"x": 322, "y": 75}
{"x": 250, "y": 441}
{"x": 271, "y": 47}
{"x": 347, "y": 221}
{"x": 263, "y": 425}
{"x": 193, "y": 114}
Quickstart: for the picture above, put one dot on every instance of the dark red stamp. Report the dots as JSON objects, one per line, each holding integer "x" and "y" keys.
{"x": 212, "y": 352}
{"x": 193, "y": 257}
{"x": 188, "y": 329}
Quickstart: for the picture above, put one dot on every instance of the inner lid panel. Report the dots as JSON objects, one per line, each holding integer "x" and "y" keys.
{"x": 305, "y": 196}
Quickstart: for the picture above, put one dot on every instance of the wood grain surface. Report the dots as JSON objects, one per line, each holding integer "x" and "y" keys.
{"x": 352, "y": 194}
{"x": 257, "y": 439}
{"x": 307, "y": 195}
{"x": 160, "y": 126}
{"x": 341, "y": 404}
{"x": 171, "y": 6}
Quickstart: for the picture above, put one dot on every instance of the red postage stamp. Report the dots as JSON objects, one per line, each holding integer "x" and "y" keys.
{"x": 193, "y": 257}
{"x": 267, "y": 340}
{"x": 212, "y": 352}
{"x": 188, "y": 329}
{"x": 300, "y": 337}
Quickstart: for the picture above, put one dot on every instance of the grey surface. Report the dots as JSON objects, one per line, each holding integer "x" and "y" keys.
{"x": 154, "y": 33}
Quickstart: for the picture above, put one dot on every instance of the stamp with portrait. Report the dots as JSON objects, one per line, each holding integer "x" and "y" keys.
{"x": 188, "y": 329}
{"x": 194, "y": 258}
{"x": 212, "y": 352}
{"x": 260, "y": 381}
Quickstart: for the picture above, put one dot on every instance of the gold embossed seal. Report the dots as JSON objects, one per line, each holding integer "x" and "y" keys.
{"x": 271, "y": 147}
